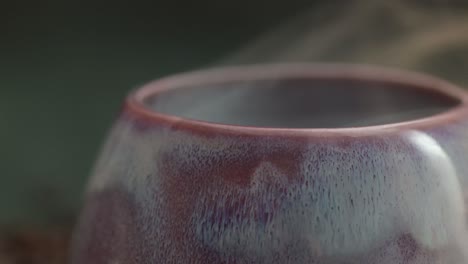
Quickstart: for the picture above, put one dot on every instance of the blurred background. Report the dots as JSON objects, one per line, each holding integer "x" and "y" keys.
{"x": 65, "y": 67}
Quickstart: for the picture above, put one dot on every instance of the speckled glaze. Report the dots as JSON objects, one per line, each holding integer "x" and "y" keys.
{"x": 172, "y": 190}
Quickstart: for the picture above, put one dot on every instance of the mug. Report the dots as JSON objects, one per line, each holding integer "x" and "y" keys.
{"x": 282, "y": 163}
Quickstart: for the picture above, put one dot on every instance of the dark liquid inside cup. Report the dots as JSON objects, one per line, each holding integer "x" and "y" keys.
{"x": 302, "y": 103}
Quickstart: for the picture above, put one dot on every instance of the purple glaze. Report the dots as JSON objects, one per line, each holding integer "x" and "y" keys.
{"x": 174, "y": 190}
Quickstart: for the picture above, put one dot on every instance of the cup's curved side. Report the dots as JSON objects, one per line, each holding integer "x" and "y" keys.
{"x": 167, "y": 196}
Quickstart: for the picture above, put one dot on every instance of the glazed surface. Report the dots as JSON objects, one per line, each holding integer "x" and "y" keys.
{"x": 166, "y": 195}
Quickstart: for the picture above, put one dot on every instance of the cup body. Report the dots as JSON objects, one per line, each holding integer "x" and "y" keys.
{"x": 172, "y": 189}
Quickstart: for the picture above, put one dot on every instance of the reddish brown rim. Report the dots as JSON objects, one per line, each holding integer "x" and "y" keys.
{"x": 135, "y": 102}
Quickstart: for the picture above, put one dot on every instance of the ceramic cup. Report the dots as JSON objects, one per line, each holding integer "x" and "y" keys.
{"x": 292, "y": 163}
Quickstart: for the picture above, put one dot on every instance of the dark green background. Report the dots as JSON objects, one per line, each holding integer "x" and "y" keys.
{"x": 65, "y": 67}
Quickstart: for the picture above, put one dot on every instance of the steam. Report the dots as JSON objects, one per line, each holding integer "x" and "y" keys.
{"x": 405, "y": 34}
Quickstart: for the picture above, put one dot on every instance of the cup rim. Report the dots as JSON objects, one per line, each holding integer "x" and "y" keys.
{"x": 135, "y": 102}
